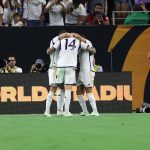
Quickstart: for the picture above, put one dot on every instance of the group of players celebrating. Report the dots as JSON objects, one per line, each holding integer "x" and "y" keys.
{"x": 64, "y": 50}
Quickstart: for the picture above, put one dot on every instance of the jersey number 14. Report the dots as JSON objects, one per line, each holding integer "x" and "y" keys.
{"x": 70, "y": 45}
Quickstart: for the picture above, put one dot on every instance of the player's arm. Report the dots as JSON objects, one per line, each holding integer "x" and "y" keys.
{"x": 53, "y": 48}
{"x": 76, "y": 35}
{"x": 88, "y": 48}
{"x": 92, "y": 50}
{"x": 50, "y": 50}
{"x": 79, "y": 37}
{"x": 65, "y": 35}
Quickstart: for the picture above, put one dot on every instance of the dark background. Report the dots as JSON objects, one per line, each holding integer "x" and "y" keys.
{"x": 27, "y": 44}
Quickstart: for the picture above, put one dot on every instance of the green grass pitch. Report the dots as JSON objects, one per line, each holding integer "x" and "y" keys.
{"x": 106, "y": 132}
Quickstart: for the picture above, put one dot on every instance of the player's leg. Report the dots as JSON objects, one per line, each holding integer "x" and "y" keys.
{"x": 67, "y": 100}
{"x": 89, "y": 82}
{"x": 92, "y": 101}
{"x": 70, "y": 79}
{"x": 52, "y": 78}
{"x": 49, "y": 101}
{"x": 60, "y": 100}
{"x": 80, "y": 92}
{"x": 60, "y": 92}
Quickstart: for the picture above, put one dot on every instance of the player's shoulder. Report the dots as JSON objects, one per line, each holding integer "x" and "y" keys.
{"x": 55, "y": 38}
{"x": 88, "y": 42}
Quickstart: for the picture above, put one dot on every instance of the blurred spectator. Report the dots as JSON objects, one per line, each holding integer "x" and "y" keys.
{"x": 85, "y": 5}
{"x": 34, "y": 12}
{"x": 39, "y": 66}
{"x": 56, "y": 11}
{"x": 10, "y": 7}
{"x": 137, "y": 18}
{"x": 19, "y": 7}
{"x": 16, "y": 22}
{"x": 10, "y": 66}
{"x": 7, "y": 12}
{"x": 98, "y": 17}
{"x": 1, "y": 14}
{"x": 121, "y": 5}
{"x": 75, "y": 12}
{"x": 146, "y": 2}
{"x": 91, "y": 5}
{"x": 16, "y": 5}
{"x": 83, "y": 2}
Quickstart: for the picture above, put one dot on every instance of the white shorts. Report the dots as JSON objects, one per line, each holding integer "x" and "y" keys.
{"x": 52, "y": 76}
{"x": 66, "y": 76}
{"x": 86, "y": 78}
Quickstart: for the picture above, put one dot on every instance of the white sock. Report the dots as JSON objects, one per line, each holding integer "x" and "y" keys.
{"x": 92, "y": 101}
{"x": 49, "y": 101}
{"x": 82, "y": 103}
{"x": 60, "y": 100}
{"x": 67, "y": 100}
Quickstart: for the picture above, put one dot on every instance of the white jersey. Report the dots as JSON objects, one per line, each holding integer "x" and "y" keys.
{"x": 72, "y": 17}
{"x": 33, "y": 9}
{"x": 86, "y": 59}
{"x": 69, "y": 48}
{"x": 55, "y": 14}
{"x": 86, "y": 74}
{"x": 54, "y": 55}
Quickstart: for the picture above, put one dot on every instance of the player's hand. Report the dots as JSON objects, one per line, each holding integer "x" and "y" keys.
{"x": 79, "y": 37}
{"x": 76, "y": 35}
{"x": 65, "y": 35}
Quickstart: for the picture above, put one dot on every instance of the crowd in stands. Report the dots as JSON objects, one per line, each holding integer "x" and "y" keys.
{"x": 66, "y": 12}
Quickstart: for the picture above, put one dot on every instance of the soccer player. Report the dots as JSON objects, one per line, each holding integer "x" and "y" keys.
{"x": 86, "y": 80}
{"x": 52, "y": 78}
{"x": 66, "y": 65}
